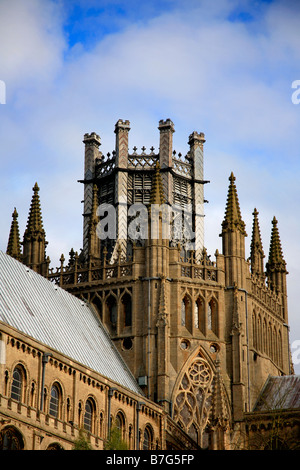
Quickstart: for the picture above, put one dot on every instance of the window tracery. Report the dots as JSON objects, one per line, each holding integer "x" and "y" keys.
{"x": 193, "y": 398}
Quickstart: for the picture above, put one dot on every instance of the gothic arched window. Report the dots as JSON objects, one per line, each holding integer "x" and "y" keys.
{"x": 89, "y": 415}
{"x": 111, "y": 304}
{"x": 120, "y": 424}
{"x": 212, "y": 316}
{"x": 196, "y": 315}
{"x": 147, "y": 441}
{"x": 186, "y": 314}
{"x": 254, "y": 330}
{"x": 199, "y": 316}
{"x": 127, "y": 309}
{"x": 17, "y": 384}
{"x": 54, "y": 401}
{"x": 183, "y": 312}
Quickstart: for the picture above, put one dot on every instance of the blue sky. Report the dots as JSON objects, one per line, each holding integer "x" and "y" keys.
{"x": 224, "y": 68}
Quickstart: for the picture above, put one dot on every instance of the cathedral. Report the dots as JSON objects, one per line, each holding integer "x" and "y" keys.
{"x": 141, "y": 329}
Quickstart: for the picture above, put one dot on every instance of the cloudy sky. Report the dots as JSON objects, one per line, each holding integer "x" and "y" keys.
{"x": 225, "y": 68}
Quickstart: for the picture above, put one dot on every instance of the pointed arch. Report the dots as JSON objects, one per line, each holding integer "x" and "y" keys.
{"x": 254, "y": 330}
{"x": 56, "y": 400}
{"x": 192, "y": 395}
{"x": 89, "y": 416}
{"x": 18, "y": 383}
{"x": 11, "y": 439}
{"x": 199, "y": 313}
{"x": 279, "y": 342}
{"x": 264, "y": 337}
{"x": 186, "y": 312}
{"x": 97, "y": 302}
{"x": 275, "y": 345}
{"x": 212, "y": 315}
{"x": 120, "y": 423}
{"x": 111, "y": 310}
{"x": 148, "y": 437}
{"x": 259, "y": 331}
{"x": 126, "y": 310}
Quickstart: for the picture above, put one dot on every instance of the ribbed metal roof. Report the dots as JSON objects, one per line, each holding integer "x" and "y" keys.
{"x": 280, "y": 393}
{"x": 49, "y": 314}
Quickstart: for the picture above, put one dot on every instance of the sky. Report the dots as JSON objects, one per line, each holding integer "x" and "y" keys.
{"x": 226, "y": 68}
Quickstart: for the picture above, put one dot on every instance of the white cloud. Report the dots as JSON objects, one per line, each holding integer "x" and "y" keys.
{"x": 229, "y": 79}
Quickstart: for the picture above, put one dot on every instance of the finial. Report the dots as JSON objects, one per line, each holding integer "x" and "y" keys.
{"x": 233, "y": 219}
{"x": 232, "y": 178}
{"x": 14, "y": 245}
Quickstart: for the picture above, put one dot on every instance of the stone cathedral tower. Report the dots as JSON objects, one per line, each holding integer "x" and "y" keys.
{"x": 200, "y": 336}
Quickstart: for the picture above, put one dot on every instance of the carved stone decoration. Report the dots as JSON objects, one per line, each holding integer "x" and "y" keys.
{"x": 193, "y": 398}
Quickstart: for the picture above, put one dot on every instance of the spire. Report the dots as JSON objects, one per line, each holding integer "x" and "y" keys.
{"x": 14, "y": 244}
{"x": 34, "y": 240}
{"x": 275, "y": 254}
{"x": 276, "y": 263}
{"x": 157, "y": 194}
{"x": 257, "y": 253}
{"x": 276, "y": 268}
{"x": 233, "y": 219}
{"x": 35, "y": 223}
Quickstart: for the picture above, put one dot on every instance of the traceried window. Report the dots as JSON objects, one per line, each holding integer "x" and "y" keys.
{"x": 193, "y": 399}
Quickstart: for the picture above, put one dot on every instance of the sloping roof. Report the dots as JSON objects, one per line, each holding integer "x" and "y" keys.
{"x": 56, "y": 318}
{"x": 280, "y": 393}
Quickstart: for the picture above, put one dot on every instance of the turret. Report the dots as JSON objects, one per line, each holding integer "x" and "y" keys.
{"x": 91, "y": 154}
{"x": 166, "y": 131}
{"x": 122, "y": 129}
{"x": 195, "y": 155}
{"x": 233, "y": 237}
